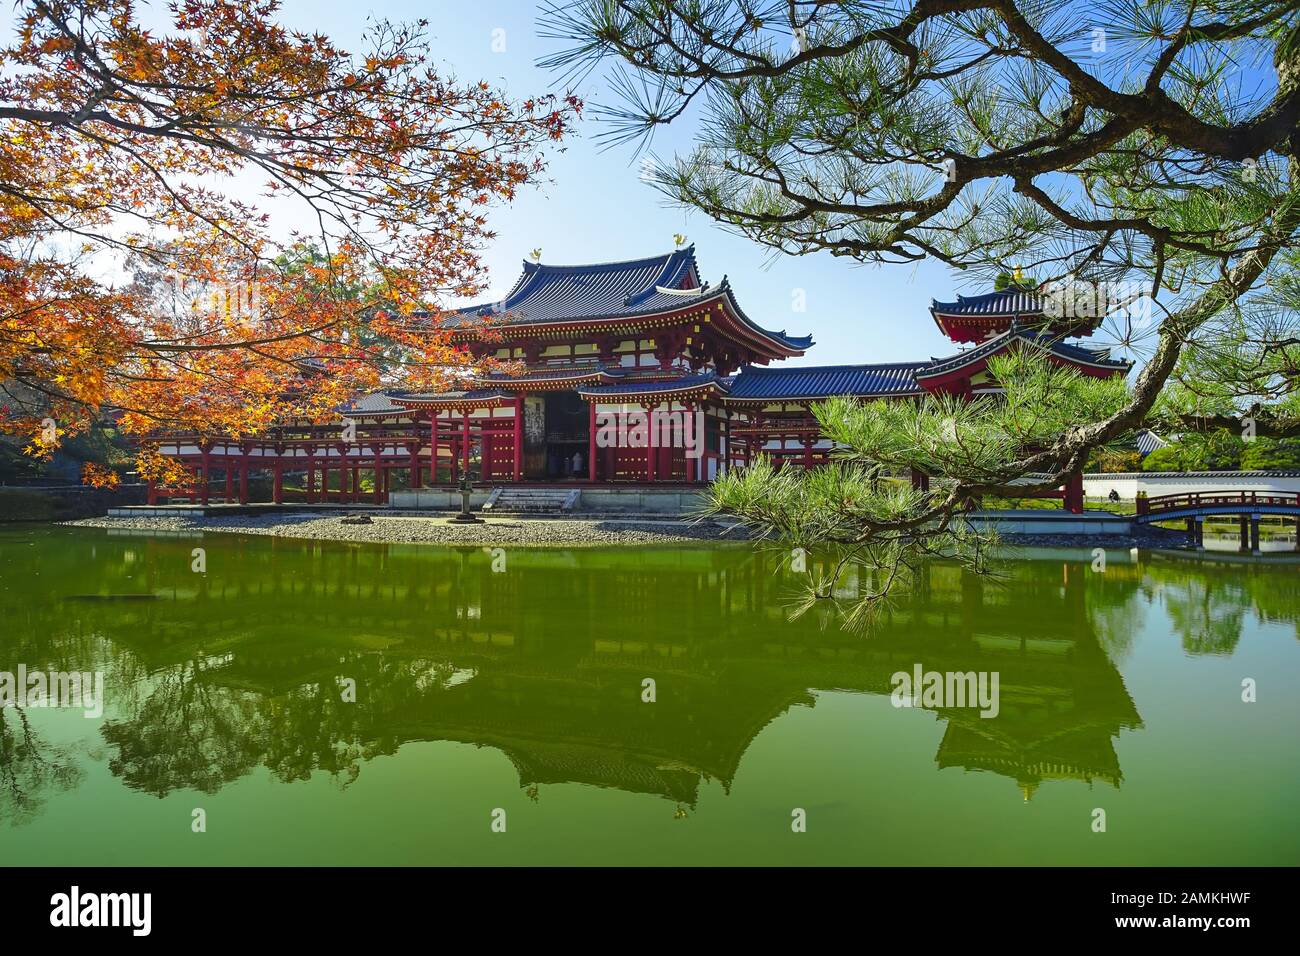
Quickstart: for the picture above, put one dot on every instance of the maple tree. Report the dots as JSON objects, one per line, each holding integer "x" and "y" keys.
{"x": 136, "y": 273}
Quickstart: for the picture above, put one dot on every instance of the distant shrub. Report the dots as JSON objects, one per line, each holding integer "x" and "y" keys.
{"x": 1115, "y": 461}
{"x": 1271, "y": 454}
{"x": 1168, "y": 458}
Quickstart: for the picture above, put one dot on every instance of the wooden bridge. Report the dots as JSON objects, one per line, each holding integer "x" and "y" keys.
{"x": 1195, "y": 507}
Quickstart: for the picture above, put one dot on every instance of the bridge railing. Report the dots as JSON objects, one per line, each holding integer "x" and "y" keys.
{"x": 1211, "y": 499}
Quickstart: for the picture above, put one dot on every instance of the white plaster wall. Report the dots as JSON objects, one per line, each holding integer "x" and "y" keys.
{"x": 1179, "y": 483}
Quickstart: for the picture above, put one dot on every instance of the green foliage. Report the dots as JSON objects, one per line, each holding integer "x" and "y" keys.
{"x": 1215, "y": 451}
{"x": 854, "y": 511}
{"x": 971, "y": 440}
{"x": 1168, "y": 458}
{"x": 1269, "y": 454}
{"x": 833, "y": 513}
{"x": 1008, "y": 280}
{"x": 1115, "y": 460}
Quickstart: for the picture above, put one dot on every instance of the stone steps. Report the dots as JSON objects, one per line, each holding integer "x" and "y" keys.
{"x": 533, "y": 500}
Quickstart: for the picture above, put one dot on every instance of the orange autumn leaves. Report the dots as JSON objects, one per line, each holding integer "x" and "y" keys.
{"x": 99, "y": 476}
{"x": 142, "y": 175}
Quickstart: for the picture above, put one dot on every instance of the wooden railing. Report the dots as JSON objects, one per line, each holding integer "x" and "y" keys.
{"x": 1213, "y": 499}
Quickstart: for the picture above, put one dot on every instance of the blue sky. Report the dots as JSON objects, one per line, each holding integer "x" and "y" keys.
{"x": 596, "y": 208}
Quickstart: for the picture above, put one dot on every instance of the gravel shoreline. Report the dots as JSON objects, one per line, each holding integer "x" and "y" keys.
{"x": 517, "y": 531}
{"x": 430, "y": 529}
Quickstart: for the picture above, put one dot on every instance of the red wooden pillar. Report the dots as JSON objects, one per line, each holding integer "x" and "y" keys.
{"x": 453, "y": 459}
{"x": 230, "y": 481}
{"x": 379, "y": 475}
{"x": 1073, "y": 500}
{"x": 243, "y": 480}
{"x": 151, "y": 494}
{"x": 310, "y": 490}
{"x": 356, "y": 482}
{"x": 415, "y": 466}
{"x": 205, "y": 466}
{"x": 591, "y": 441}
{"x": 453, "y": 449}
{"x": 649, "y": 445}
{"x": 519, "y": 437}
{"x": 465, "y": 442}
{"x": 920, "y": 480}
{"x": 807, "y": 455}
{"x": 433, "y": 448}
{"x": 692, "y": 463}
{"x": 277, "y": 484}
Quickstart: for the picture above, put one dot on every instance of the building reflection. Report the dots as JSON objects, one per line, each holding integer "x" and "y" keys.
{"x": 247, "y": 666}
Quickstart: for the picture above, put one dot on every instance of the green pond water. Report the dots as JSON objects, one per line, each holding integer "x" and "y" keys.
{"x": 517, "y": 694}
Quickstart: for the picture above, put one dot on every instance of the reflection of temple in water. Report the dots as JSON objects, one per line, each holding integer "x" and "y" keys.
{"x": 545, "y": 661}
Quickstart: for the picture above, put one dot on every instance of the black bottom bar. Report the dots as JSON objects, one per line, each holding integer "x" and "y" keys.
{"x": 579, "y": 907}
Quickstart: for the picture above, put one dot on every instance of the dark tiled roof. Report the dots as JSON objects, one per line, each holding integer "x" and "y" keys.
{"x": 376, "y": 403}
{"x": 548, "y": 294}
{"x": 546, "y": 374}
{"x": 1175, "y": 475}
{"x": 1093, "y": 356}
{"x": 825, "y": 381}
{"x": 1149, "y": 441}
{"x": 473, "y": 395}
{"x": 650, "y": 386}
{"x": 990, "y": 346}
{"x": 1006, "y": 302}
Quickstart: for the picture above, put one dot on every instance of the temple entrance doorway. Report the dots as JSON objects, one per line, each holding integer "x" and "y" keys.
{"x": 567, "y": 425}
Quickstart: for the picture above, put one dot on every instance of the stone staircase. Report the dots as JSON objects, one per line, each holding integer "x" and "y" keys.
{"x": 524, "y": 500}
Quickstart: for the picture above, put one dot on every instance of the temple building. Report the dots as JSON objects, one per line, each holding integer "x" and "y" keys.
{"x": 624, "y": 372}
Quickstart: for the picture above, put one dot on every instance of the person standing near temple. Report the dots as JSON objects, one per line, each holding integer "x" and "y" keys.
{"x": 578, "y": 462}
